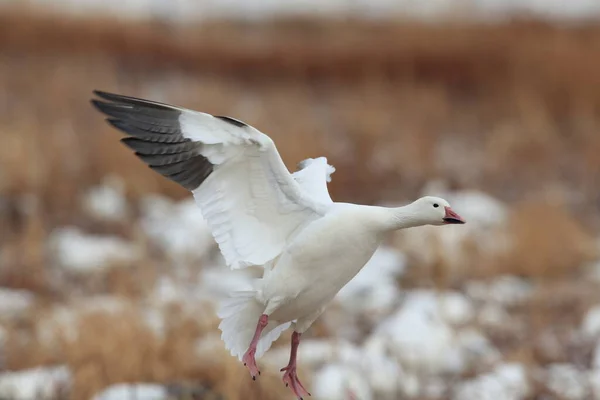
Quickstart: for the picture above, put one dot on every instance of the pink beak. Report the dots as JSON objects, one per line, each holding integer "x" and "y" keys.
{"x": 453, "y": 218}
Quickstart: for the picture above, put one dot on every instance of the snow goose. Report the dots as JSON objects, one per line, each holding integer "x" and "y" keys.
{"x": 262, "y": 215}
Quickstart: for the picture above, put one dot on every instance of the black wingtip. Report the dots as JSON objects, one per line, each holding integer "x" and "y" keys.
{"x": 232, "y": 121}
{"x": 120, "y": 125}
{"x": 98, "y": 105}
{"x": 135, "y": 101}
{"x": 112, "y": 97}
{"x": 105, "y": 95}
{"x": 116, "y": 123}
{"x": 130, "y": 142}
{"x": 114, "y": 110}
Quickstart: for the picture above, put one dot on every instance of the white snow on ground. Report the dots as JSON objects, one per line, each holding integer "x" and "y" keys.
{"x": 62, "y": 321}
{"x": 106, "y": 202}
{"x": 15, "y": 302}
{"x": 590, "y": 327}
{"x": 340, "y": 382}
{"x": 592, "y": 269}
{"x": 374, "y": 290}
{"x": 418, "y": 335}
{"x": 80, "y": 252}
{"x": 43, "y": 383}
{"x": 386, "y": 377}
{"x": 596, "y": 356}
{"x": 167, "y": 291}
{"x": 493, "y": 316}
{"x": 594, "y": 379}
{"x": 503, "y": 290}
{"x": 208, "y": 347}
{"x": 193, "y": 297}
{"x": 455, "y": 308}
{"x": 475, "y": 348}
{"x": 506, "y": 382}
{"x": 177, "y": 291}
{"x": 141, "y": 391}
{"x": 567, "y": 382}
{"x": 315, "y": 353}
{"x": 421, "y": 336}
{"x": 176, "y": 227}
{"x": 480, "y": 208}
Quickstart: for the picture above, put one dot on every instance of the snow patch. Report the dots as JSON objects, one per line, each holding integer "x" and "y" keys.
{"x": 340, "y": 382}
{"x": 373, "y": 291}
{"x": 79, "y": 252}
{"x": 476, "y": 349}
{"x": 145, "y": 391}
{"x": 106, "y": 202}
{"x": 596, "y": 356}
{"x": 590, "y": 328}
{"x": 178, "y": 228}
{"x": 493, "y": 316}
{"x": 384, "y": 374}
{"x": 594, "y": 379}
{"x": 418, "y": 335}
{"x": 592, "y": 269}
{"x": 15, "y": 302}
{"x": 315, "y": 353}
{"x": 193, "y": 298}
{"x": 422, "y": 338}
{"x": 504, "y": 290}
{"x": 37, "y": 383}
{"x": 62, "y": 322}
{"x": 567, "y": 382}
{"x": 456, "y": 308}
{"x": 506, "y": 382}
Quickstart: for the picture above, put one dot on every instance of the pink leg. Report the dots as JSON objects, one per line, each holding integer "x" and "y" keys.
{"x": 290, "y": 378}
{"x": 248, "y": 359}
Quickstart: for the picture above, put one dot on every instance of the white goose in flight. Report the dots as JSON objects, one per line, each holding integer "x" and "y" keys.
{"x": 262, "y": 215}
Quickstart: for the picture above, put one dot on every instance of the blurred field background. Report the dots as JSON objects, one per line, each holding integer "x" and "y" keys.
{"x": 105, "y": 282}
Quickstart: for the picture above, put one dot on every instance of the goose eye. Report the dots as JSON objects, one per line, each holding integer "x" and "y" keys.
{"x": 436, "y": 205}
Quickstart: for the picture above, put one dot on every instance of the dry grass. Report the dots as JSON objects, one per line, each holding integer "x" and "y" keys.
{"x": 512, "y": 109}
{"x": 548, "y": 243}
{"x": 112, "y": 348}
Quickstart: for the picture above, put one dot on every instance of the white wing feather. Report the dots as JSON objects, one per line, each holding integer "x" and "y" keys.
{"x": 313, "y": 175}
{"x": 251, "y": 202}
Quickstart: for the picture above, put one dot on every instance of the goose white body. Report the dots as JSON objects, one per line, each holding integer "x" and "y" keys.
{"x": 318, "y": 262}
{"x": 262, "y": 215}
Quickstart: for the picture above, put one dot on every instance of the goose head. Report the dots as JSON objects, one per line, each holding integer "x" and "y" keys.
{"x": 435, "y": 211}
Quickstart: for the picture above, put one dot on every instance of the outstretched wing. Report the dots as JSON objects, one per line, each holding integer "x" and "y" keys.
{"x": 246, "y": 194}
{"x": 313, "y": 175}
